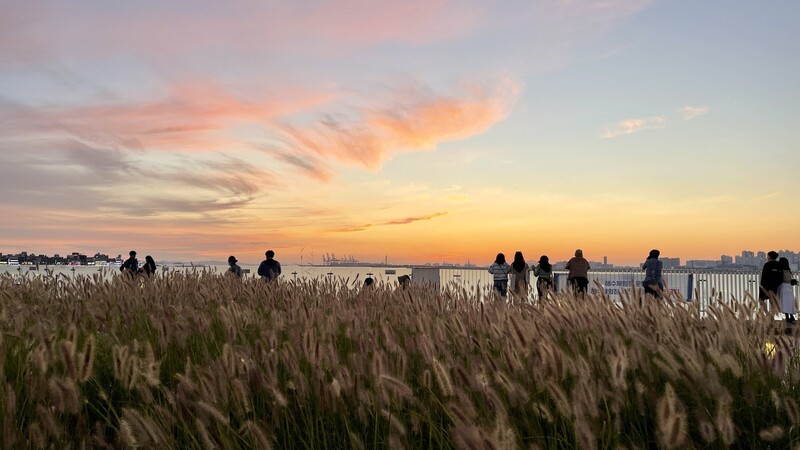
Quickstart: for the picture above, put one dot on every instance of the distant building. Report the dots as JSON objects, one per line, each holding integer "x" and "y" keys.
{"x": 701, "y": 264}
{"x": 670, "y": 263}
{"x": 726, "y": 260}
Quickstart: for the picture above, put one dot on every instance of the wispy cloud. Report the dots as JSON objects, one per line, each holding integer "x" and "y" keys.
{"x": 407, "y": 220}
{"x": 400, "y": 221}
{"x": 690, "y": 112}
{"x": 417, "y": 119}
{"x": 192, "y": 117}
{"x": 631, "y": 126}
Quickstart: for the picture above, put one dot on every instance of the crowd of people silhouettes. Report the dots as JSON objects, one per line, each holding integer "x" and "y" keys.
{"x": 520, "y": 272}
{"x": 776, "y": 285}
{"x": 577, "y": 275}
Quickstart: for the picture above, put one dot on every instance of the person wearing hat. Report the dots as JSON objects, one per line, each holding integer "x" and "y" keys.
{"x": 234, "y": 269}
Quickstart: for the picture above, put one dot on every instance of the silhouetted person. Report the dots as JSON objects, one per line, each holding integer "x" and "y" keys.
{"x": 786, "y": 290}
{"x": 653, "y": 282}
{"x": 234, "y": 268}
{"x": 771, "y": 279}
{"x": 544, "y": 276}
{"x": 149, "y": 267}
{"x": 404, "y": 281}
{"x": 269, "y": 269}
{"x": 578, "y": 276}
{"x": 131, "y": 265}
{"x": 520, "y": 272}
{"x": 499, "y": 270}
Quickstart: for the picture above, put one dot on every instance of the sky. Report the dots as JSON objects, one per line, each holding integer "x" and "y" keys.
{"x": 410, "y": 131}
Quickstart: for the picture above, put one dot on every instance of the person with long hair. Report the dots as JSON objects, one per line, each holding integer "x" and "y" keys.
{"x": 771, "y": 279}
{"x": 520, "y": 273}
{"x": 544, "y": 277}
{"x": 653, "y": 283}
{"x": 149, "y": 267}
{"x": 499, "y": 270}
{"x": 786, "y": 290}
{"x": 578, "y": 276}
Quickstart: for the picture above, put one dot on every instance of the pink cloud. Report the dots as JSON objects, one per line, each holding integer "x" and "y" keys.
{"x": 193, "y": 116}
{"x": 631, "y": 126}
{"x": 45, "y": 28}
{"x": 417, "y": 119}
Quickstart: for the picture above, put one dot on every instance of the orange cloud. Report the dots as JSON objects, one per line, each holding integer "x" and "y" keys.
{"x": 401, "y": 221}
{"x": 408, "y": 220}
{"x": 417, "y": 119}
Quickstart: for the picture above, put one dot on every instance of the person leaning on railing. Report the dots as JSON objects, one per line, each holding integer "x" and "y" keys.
{"x": 653, "y": 282}
{"x": 499, "y": 270}
{"x": 578, "y": 276}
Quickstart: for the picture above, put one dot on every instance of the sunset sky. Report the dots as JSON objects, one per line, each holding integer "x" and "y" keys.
{"x": 418, "y": 130}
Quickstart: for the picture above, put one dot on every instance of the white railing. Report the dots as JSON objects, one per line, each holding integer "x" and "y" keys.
{"x": 696, "y": 285}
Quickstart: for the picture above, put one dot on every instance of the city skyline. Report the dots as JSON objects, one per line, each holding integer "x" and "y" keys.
{"x": 423, "y": 130}
{"x": 746, "y": 258}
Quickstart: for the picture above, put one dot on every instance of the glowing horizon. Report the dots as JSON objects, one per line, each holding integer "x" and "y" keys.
{"x": 426, "y": 131}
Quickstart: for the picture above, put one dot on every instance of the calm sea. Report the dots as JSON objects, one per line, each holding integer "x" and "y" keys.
{"x": 354, "y": 274}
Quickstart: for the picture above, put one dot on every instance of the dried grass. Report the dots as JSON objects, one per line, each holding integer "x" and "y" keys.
{"x": 197, "y": 361}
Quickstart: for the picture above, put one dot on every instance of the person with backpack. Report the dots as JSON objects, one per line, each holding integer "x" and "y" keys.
{"x": 269, "y": 269}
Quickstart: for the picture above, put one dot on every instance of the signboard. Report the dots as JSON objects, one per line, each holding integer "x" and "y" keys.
{"x": 615, "y": 283}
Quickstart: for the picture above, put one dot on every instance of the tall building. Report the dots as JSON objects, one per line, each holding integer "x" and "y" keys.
{"x": 726, "y": 260}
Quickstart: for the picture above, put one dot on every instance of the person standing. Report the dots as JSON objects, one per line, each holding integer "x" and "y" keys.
{"x": 786, "y": 290}
{"x": 544, "y": 276}
{"x": 131, "y": 265}
{"x": 653, "y": 282}
{"x": 149, "y": 267}
{"x": 269, "y": 269}
{"x": 578, "y": 276}
{"x": 234, "y": 268}
{"x": 771, "y": 279}
{"x": 521, "y": 276}
{"x": 404, "y": 281}
{"x": 499, "y": 270}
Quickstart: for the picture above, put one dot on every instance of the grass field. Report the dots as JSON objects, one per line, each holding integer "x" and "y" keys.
{"x": 203, "y": 361}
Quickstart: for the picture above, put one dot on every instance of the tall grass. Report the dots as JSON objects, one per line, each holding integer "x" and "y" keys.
{"x": 202, "y": 361}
